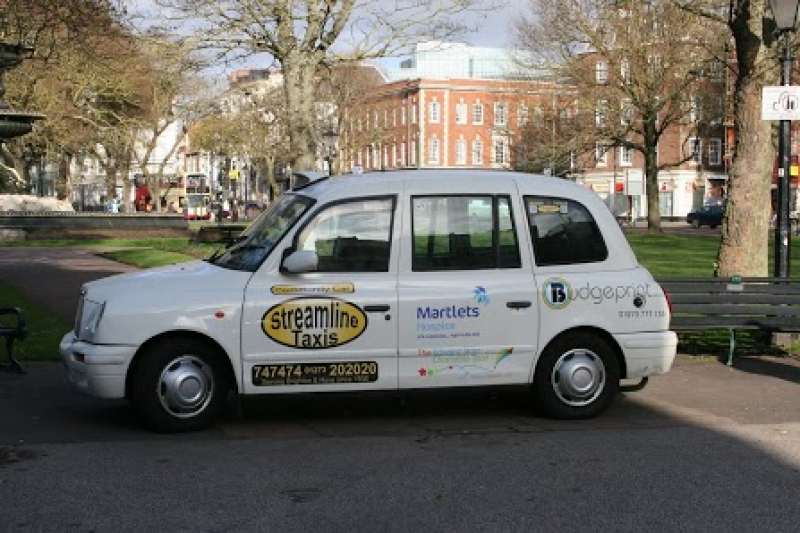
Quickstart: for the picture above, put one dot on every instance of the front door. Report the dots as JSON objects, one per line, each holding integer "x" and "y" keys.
{"x": 335, "y": 328}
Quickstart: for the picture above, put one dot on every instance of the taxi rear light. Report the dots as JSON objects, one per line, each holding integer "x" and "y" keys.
{"x": 669, "y": 300}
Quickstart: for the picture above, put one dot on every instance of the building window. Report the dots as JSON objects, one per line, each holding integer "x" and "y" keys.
{"x": 715, "y": 151}
{"x": 461, "y": 113}
{"x": 433, "y": 110}
{"x": 413, "y": 114}
{"x": 403, "y": 116}
{"x": 477, "y": 113}
{"x": 601, "y": 113}
{"x": 461, "y": 152}
{"x": 433, "y": 152}
{"x": 601, "y": 154}
{"x": 626, "y": 112}
{"x": 601, "y": 72}
{"x": 477, "y": 152}
{"x": 522, "y": 115}
{"x": 625, "y": 70}
{"x": 500, "y": 114}
{"x": 500, "y": 151}
{"x": 625, "y": 156}
{"x": 696, "y": 146}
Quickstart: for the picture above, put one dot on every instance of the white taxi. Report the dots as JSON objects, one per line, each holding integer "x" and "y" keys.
{"x": 385, "y": 281}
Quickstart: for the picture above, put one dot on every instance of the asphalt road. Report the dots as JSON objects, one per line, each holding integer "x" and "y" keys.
{"x": 705, "y": 447}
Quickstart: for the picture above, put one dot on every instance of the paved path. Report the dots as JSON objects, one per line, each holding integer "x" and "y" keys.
{"x": 53, "y": 276}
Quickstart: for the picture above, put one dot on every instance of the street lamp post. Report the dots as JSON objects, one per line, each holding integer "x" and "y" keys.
{"x": 785, "y": 13}
{"x": 331, "y": 137}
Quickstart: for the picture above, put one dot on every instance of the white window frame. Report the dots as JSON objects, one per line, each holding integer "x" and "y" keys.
{"x": 715, "y": 151}
{"x": 500, "y": 114}
{"x": 477, "y": 113}
{"x": 500, "y": 149}
{"x": 625, "y": 156}
{"x": 461, "y": 113}
{"x": 433, "y": 112}
{"x": 477, "y": 152}
{"x": 522, "y": 115}
{"x": 433, "y": 151}
{"x": 696, "y": 147}
{"x": 601, "y": 154}
{"x": 601, "y": 72}
{"x": 461, "y": 152}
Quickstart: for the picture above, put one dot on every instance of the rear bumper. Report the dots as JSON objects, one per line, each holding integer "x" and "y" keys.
{"x": 647, "y": 354}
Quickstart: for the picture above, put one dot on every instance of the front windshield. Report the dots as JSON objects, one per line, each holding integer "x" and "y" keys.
{"x": 257, "y": 241}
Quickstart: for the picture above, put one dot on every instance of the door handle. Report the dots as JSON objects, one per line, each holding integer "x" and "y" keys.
{"x": 380, "y": 308}
{"x": 519, "y": 305}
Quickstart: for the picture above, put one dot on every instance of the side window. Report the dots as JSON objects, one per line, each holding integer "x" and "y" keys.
{"x": 563, "y": 232}
{"x": 351, "y": 237}
{"x": 463, "y": 233}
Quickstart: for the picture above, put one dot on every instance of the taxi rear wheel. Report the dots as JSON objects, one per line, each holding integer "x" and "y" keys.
{"x": 179, "y": 385}
{"x": 577, "y": 377}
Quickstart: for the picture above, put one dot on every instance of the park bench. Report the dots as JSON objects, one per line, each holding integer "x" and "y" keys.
{"x": 12, "y": 327}
{"x": 735, "y": 303}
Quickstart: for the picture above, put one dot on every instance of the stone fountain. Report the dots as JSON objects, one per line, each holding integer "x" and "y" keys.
{"x": 13, "y": 123}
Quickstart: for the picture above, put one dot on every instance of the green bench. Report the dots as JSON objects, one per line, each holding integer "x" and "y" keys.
{"x": 736, "y": 303}
{"x": 12, "y": 328}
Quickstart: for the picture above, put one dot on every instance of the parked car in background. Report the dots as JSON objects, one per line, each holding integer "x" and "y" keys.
{"x": 708, "y": 215}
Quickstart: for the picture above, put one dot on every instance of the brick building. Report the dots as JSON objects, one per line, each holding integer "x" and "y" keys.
{"x": 454, "y": 106}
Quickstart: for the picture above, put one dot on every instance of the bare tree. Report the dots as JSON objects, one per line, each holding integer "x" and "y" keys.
{"x": 306, "y": 34}
{"x": 639, "y": 68}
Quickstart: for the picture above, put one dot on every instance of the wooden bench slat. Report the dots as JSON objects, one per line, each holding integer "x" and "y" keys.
{"x": 684, "y": 288}
{"x": 765, "y": 323}
{"x": 735, "y": 298}
{"x": 736, "y": 309}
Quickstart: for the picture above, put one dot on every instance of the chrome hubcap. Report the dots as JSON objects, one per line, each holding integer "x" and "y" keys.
{"x": 185, "y": 386}
{"x": 579, "y": 377}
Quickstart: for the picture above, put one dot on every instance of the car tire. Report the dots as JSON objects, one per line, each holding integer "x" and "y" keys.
{"x": 695, "y": 223}
{"x": 577, "y": 377}
{"x": 713, "y": 226}
{"x": 179, "y": 385}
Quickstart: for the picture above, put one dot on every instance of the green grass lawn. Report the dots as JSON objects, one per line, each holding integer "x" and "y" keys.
{"x": 44, "y": 328}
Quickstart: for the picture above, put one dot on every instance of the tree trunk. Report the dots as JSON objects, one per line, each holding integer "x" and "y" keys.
{"x": 299, "y": 72}
{"x": 744, "y": 248}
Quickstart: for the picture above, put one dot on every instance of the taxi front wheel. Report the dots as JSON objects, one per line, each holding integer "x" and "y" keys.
{"x": 577, "y": 377}
{"x": 179, "y": 385}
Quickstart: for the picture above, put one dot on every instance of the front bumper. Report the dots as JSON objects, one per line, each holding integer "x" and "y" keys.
{"x": 648, "y": 353}
{"x": 97, "y": 370}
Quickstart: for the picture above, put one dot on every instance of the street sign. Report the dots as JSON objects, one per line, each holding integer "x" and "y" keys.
{"x": 781, "y": 102}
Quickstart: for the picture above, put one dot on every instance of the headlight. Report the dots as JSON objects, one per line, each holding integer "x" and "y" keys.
{"x": 91, "y": 313}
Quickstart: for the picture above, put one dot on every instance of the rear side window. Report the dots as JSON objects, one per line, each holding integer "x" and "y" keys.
{"x": 563, "y": 232}
{"x": 463, "y": 233}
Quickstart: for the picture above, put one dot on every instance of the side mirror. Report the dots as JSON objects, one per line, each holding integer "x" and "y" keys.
{"x": 300, "y": 261}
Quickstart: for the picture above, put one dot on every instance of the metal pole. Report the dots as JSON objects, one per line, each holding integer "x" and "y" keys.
{"x": 782, "y": 234}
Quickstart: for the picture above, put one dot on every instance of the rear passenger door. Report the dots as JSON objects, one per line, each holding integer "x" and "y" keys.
{"x": 468, "y": 313}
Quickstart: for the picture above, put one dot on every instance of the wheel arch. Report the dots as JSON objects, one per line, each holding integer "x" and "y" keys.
{"x": 600, "y": 333}
{"x": 185, "y": 334}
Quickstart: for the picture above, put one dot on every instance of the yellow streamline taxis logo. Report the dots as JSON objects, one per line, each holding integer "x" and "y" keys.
{"x": 314, "y": 323}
